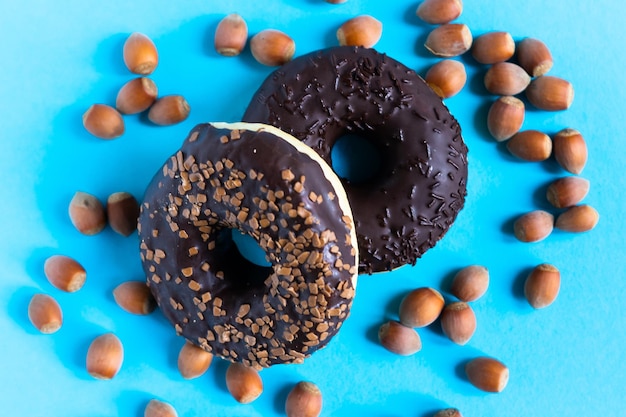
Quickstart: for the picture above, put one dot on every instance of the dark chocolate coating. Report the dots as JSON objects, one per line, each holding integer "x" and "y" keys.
{"x": 259, "y": 184}
{"x": 421, "y": 186}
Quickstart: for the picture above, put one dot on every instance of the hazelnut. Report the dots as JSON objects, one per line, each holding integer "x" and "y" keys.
{"x": 134, "y": 297}
{"x": 103, "y": 121}
{"x": 505, "y": 117}
{"x": 493, "y": 47}
{"x": 304, "y": 400}
{"x": 437, "y": 12}
{"x": 577, "y": 219}
{"x": 231, "y": 35}
{"x": 272, "y": 47}
{"x": 87, "y": 213}
{"x": 64, "y": 273}
{"x": 542, "y": 285}
{"x": 487, "y": 374}
{"x": 567, "y": 191}
{"x": 470, "y": 283}
{"x": 140, "y": 54}
{"x": 136, "y": 96}
{"x": 458, "y": 322}
{"x": 362, "y": 30}
{"x": 336, "y": 1}
{"x": 193, "y": 361}
{"x": 105, "y": 356}
{"x": 570, "y": 150}
{"x": 530, "y": 145}
{"x": 421, "y": 307}
{"x": 447, "y": 77}
{"x": 534, "y": 56}
{"x": 157, "y": 408}
{"x": 534, "y": 226}
{"x": 506, "y": 79}
{"x": 123, "y": 213}
{"x": 45, "y": 313}
{"x": 450, "y": 39}
{"x": 169, "y": 110}
{"x": 243, "y": 383}
{"x": 399, "y": 339}
{"x": 448, "y": 412}
{"x": 550, "y": 93}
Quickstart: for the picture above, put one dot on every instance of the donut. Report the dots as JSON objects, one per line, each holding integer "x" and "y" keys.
{"x": 416, "y": 194}
{"x": 260, "y": 181}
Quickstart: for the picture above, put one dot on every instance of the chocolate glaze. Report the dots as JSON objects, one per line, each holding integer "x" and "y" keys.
{"x": 258, "y": 183}
{"x": 421, "y": 186}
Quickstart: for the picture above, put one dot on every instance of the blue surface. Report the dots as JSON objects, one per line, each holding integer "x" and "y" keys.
{"x": 60, "y": 57}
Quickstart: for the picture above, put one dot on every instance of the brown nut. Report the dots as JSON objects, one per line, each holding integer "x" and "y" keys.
{"x": 399, "y": 339}
{"x": 437, "y": 12}
{"x": 362, "y": 30}
{"x": 336, "y": 1}
{"x": 157, "y": 408}
{"x": 64, "y": 273}
{"x": 567, "y": 191}
{"x": 506, "y": 79}
{"x": 421, "y": 307}
{"x": 136, "y": 96}
{"x": 140, "y": 54}
{"x": 304, "y": 400}
{"x": 87, "y": 213}
{"x": 578, "y": 219}
{"x": 123, "y": 212}
{"x": 493, "y": 47}
{"x": 505, "y": 117}
{"x": 103, "y": 121}
{"x": 169, "y": 110}
{"x": 550, "y": 93}
{"x": 534, "y": 226}
{"x": 448, "y": 412}
{"x": 231, "y": 35}
{"x": 534, "y": 56}
{"x": 458, "y": 322}
{"x": 447, "y": 77}
{"x": 570, "y": 150}
{"x": 105, "y": 356}
{"x": 45, "y": 313}
{"x": 470, "y": 283}
{"x": 450, "y": 39}
{"x": 193, "y": 361}
{"x": 542, "y": 285}
{"x": 530, "y": 145}
{"x": 134, "y": 297}
{"x": 487, "y": 374}
{"x": 243, "y": 383}
{"x": 272, "y": 47}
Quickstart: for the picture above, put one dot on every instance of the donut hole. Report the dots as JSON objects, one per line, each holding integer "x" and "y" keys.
{"x": 355, "y": 159}
{"x": 249, "y": 248}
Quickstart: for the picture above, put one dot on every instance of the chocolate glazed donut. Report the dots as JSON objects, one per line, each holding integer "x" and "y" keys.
{"x": 421, "y": 185}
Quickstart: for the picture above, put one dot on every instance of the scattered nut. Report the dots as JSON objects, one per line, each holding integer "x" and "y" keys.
{"x": 534, "y": 56}
{"x": 487, "y": 374}
{"x": 272, "y": 47}
{"x": 123, "y": 213}
{"x": 362, "y": 30}
{"x": 530, "y": 145}
{"x": 450, "y": 39}
{"x": 336, "y": 1}
{"x": 87, "y": 213}
{"x": 398, "y": 338}
{"x": 103, "y": 121}
{"x": 448, "y": 412}
{"x": 506, "y": 79}
{"x": 169, "y": 110}
{"x": 45, "y": 313}
{"x": 243, "y": 383}
{"x": 567, "y": 191}
{"x": 136, "y": 96}
{"x": 542, "y": 285}
{"x": 493, "y": 47}
{"x": 447, "y": 77}
{"x": 505, "y": 117}
{"x": 157, "y": 408}
{"x": 134, "y": 297}
{"x": 458, "y": 322}
{"x": 105, "y": 356}
{"x": 534, "y": 226}
{"x": 140, "y": 54}
{"x": 570, "y": 150}
{"x": 470, "y": 283}
{"x": 64, "y": 273}
{"x": 193, "y": 361}
{"x": 577, "y": 219}
{"x": 304, "y": 400}
{"x": 437, "y": 12}
{"x": 421, "y": 307}
{"x": 231, "y": 35}
{"x": 550, "y": 93}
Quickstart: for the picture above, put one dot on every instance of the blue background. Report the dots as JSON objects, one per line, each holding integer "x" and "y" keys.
{"x": 60, "y": 57}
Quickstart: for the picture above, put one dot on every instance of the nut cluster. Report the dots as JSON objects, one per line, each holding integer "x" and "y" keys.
{"x": 89, "y": 216}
